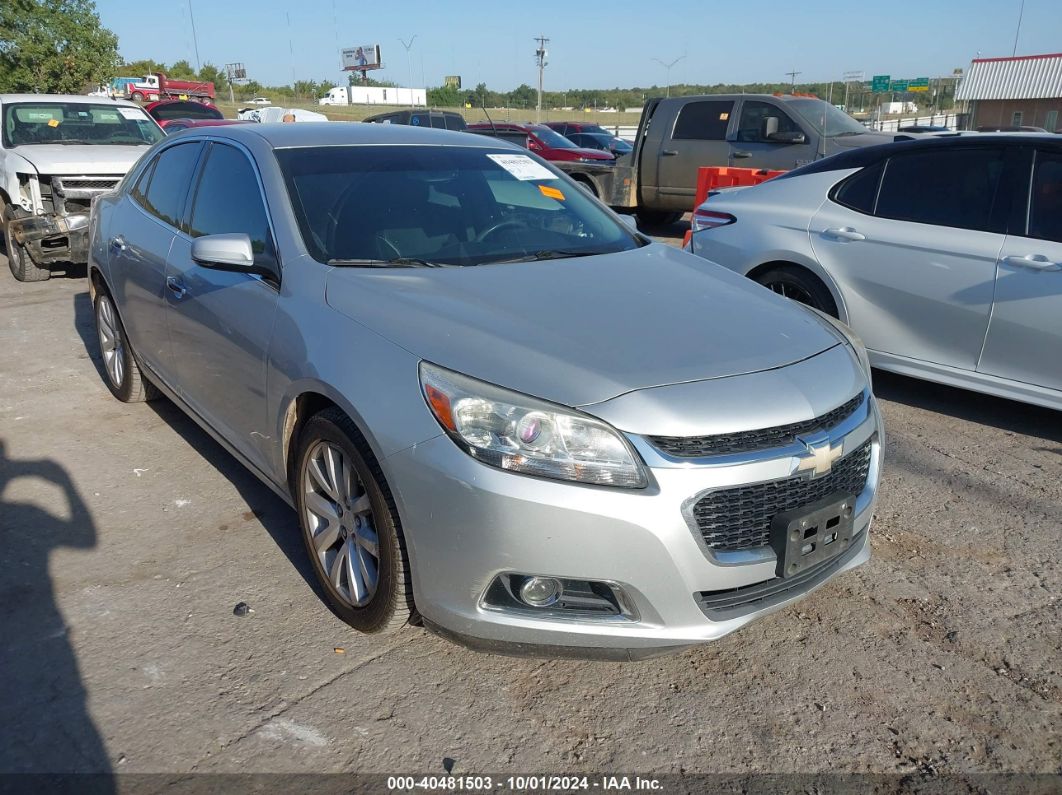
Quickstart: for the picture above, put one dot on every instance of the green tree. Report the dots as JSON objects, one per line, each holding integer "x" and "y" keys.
{"x": 445, "y": 97}
{"x": 181, "y": 70}
{"x": 54, "y": 46}
{"x": 141, "y": 68}
{"x": 211, "y": 74}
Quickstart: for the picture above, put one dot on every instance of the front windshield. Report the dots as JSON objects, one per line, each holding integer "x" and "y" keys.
{"x": 837, "y": 121}
{"x": 551, "y": 138}
{"x": 441, "y": 205}
{"x": 27, "y": 123}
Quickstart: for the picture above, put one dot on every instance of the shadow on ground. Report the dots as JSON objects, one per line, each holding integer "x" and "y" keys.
{"x": 46, "y": 721}
{"x": 1007, "y": 415}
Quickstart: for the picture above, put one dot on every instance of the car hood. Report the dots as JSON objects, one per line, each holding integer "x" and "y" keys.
{"x": 583, "y": 330}
{"x": 83, "y": 159}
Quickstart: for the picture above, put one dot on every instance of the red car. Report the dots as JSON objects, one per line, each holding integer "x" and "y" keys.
{"x": 167, "y": 110}
{"x": 546, "y": 143}
{"x": 176, "y": 125}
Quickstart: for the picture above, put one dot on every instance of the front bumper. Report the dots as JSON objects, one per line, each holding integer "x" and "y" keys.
{"x": 53, "y": 238}
{"x": 466, "y": 523}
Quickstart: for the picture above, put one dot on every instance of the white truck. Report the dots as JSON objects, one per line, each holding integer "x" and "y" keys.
{"x": 57, "y": 153}
{"x": 339, "y": 95}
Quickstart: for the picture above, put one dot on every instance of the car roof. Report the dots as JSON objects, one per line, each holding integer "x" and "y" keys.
{"x": 280, "y": 135}
{"x": 12, "y": 98}
{"x": 865, "y": 155}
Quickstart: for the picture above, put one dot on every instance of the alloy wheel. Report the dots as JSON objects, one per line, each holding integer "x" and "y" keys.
{"x": 339, "y": 520}
{"x": 110, "y": 340}
{"x": 791, "y": 291}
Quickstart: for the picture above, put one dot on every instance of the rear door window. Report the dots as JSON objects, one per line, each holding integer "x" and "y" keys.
{"x": 705, "y": 120}
{"x": 956, "y": 188}
{"x": 1045, "y": 198}
{"x": 165, "y": 193}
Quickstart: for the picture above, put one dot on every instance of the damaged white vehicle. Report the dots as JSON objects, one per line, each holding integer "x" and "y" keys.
{"x": 56, "y": 154}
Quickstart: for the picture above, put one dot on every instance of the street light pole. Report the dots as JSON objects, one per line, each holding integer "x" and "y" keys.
{"x": 540, "y": 56}
{"x": 409, "y": 57}
{"x": 668, "y": 66}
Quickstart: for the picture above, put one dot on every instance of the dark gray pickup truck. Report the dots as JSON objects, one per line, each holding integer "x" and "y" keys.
{"x": 678, "y": 135}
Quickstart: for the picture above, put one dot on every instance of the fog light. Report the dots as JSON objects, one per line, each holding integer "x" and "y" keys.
{"x": 540, "y": 591}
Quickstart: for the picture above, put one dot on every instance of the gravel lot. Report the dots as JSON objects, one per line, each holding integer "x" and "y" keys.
{"x": 127, "y": 536}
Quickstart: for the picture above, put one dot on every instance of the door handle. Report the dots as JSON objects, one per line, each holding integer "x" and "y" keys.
{"x": 174, "y": 285}
{"x": 118, "y": 243}
{"x": 1036, "y": 262}
{"x": 741, "y": 154}
{"x": 669, "y": 153}
{"x": 844, "y": 233}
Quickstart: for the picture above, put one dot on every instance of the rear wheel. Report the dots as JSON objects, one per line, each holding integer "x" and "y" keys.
{"x": 801, "y": 286}
{"x": 350, "y": 526}
{"x": 22, "y": 266}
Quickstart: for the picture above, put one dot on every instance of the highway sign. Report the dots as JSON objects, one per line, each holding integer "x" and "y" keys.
{"x": 918, "y": 84}
{"x": 880, "y": 84}
{"x": 898, "y": 85}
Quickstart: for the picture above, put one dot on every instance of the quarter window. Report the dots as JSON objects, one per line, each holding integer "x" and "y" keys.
{"x": 704, "y": 121}
{"x": 172, "y": 172}
{"x": 860, "y": 191}
{"x": 229, "y": 201}
{"x": 1045, "y": 199}
{"x": 946, "y": 188}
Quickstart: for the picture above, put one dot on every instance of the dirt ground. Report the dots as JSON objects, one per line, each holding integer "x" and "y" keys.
{"x": 127, "y": 536}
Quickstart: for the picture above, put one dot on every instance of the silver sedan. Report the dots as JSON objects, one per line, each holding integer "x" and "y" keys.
{"x": 496, "y": 408}
{"x": 944, "y": 255}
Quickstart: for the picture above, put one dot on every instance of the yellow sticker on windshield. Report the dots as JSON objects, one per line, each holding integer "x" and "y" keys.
{"x": 53, "y": 122}
{"x": 552, "y": 193}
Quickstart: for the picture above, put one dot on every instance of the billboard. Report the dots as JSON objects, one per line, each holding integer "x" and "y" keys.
{"x": 366, "y": 56}
{"x": 452, "y": 81}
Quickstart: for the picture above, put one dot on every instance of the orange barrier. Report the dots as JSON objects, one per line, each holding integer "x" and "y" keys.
{"x": 711, "y": 177}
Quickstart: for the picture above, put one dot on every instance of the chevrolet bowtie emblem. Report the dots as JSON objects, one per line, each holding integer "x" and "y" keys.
{"x": 820, "y": 457}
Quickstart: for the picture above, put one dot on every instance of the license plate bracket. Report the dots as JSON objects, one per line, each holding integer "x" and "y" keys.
{"x": 806, "y": 536}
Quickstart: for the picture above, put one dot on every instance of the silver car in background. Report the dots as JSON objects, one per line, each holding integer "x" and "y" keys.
{"x": 494, "y": 406}
{"x": 943, "y": 254}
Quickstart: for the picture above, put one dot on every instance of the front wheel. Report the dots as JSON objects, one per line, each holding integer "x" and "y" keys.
{"x": 800, "y": 286}
{"x": 350, "y": 526}
{"x": 23, "y": 268}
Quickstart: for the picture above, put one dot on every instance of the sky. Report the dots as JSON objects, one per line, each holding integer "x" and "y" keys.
{"x": 595, "y": 45}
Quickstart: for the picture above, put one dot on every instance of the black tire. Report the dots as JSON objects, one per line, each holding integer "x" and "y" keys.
{"x": 799, "y": 285}
{"x": 23, "y": 268}
{"x": 658, "y": 217}
{"x": 126, "y": 382}
{"x": 390, "y": 605}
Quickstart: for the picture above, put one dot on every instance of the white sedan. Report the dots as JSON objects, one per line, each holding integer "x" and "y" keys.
{"x": 944, "y": 254}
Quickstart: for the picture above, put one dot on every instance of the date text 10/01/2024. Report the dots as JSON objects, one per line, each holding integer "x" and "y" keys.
{"x": 522, "y": 783}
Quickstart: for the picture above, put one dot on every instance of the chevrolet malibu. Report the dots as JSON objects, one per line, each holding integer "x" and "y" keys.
{"x": 496, "y": 408}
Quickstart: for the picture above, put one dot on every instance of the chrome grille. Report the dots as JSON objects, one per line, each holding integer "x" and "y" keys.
{"x": 83, "y": 187}
{"x": 740, "y": 518}
{"x": 751, "y": 441}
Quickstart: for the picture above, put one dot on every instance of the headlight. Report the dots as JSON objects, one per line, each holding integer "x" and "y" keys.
{"x": 523, "y": 434}
{"x": 853, "y": 340}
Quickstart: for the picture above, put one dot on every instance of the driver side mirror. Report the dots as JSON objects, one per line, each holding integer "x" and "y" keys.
{"x": 229, "y": 252}
{"x": 791, "y": 137}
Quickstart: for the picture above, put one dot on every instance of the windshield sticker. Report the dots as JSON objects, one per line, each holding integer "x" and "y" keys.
{"x": 53, "y": 122}
{"x": 551, "y": 193}
{"x": 132, "y": 113}
{"x": 522, "y": 167}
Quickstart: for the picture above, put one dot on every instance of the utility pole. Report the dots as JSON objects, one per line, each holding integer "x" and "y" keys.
{"x": 540, "y": 57}
{"x": 195, "y": 38}
{"x": 409, "y": 57}
{"x": 793, "y": 77}
{"x": 848, "y": 78}
{"x": 668, "y": 66}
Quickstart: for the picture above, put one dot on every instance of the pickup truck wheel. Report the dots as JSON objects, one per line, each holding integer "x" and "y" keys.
{"x": 123, "y": 375}
{"x": 801, "y": 286}
{"x": 350, "y": 526}
{"x": 23, "y": 268}
{"x": 658, "y": 217}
